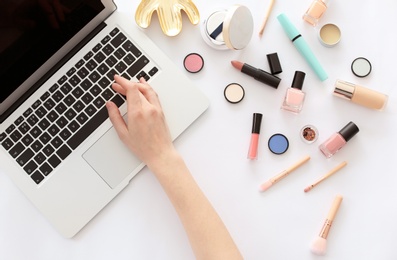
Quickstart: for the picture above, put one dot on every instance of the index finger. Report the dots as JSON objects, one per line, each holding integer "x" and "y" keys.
{"x": 149, "y": 93}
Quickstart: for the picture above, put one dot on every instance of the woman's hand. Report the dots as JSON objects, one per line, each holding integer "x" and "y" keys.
{"x": 146, "y": 132}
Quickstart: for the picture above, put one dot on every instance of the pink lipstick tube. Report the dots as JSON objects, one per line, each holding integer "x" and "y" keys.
{"x": 256, "y": 128}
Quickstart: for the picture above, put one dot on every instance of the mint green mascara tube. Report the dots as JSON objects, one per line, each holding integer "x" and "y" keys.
{"x": 302, "y": 46}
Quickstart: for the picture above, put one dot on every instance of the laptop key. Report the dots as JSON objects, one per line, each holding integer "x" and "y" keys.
{"x": 45, "y": 138}
{"x": 63, "y": 152}
{"x": 57, "y": 96}
{"x": 54, "y": 161}
{"x": 41, "y": 112}
{"x": 54, "y": 87}
{"x": 15, "y": 136}
{"x": 19, "y": 120}
{"x": 10, "y": 129}
{"x": 25, "y": 157}
{"x": 48, "y": 150}
{"x": 56, "y": 142}
{"x": 32, "y": 120}
{"x": 30, "y": 167}
{"x": 79, "y": 64}
{"x": 7, "y": 143}
{"x": 88, "y": 55}
{"x": 35, "y": 132}
{"x": 2, "y": 136}
{"x": 36, "y": 146}
{"x": 65, "y": 134}
{"x": 137, "y": 66}
{"x": 24, "y": 128}
{"x": 83, "y": 72}
{"x": 114, "y": 32}
{"x": 37, "y": 177}
{"x": 45, "y": 169}
{"x": 118, "y": 40}
{"x": 39, "y": 158}
{"x": 27, "y": 140}
{"x": 17, "y": 150}
{"x": 45, "y": 96}
{"x": 27, "y": 112}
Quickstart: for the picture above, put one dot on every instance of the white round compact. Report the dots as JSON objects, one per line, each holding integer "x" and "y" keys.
{"x": 228, "y": 29}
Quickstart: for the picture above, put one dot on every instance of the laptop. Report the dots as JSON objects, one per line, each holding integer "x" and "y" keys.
{"x": 56, "y": 67}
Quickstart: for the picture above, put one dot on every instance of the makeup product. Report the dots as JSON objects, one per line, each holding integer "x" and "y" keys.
{"x": 193, "y": 62}
{"x": 234, "y": 93}
{"x": 256, "y": 128}
{"x": 329, "y": 35}
{"x": 274, "y": 63}
{"x": 268, "y": 11}
{"x": 309, "y": 134}
{"x": 338, "y": 140}
{"x": 266, "y": 185}
{"x": 295, "y": 97}
{"x": 331, "y": 172}
{"x": 360, "y": 95}
{"x": 278, "y": 144}
{"x": 361, "y": 67}
{"x": 319, "y": 245}
{"x": 228, "y": 29}
{"x": 315, "y": 11}
{"x": 257, "y": 74}
{"x": 302, "y": 46}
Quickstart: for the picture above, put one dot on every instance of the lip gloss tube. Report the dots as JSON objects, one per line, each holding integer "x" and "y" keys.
{"x": 360, "y": 95}
{"x": 256, "y": 128}
{"x": 338, "y": 140}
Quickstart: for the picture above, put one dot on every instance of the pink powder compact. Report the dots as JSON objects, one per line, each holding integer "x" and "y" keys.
{"x": 193, "y": 62}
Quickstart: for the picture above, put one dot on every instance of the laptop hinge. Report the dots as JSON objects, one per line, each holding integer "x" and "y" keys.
{"x": 51, "y": 72}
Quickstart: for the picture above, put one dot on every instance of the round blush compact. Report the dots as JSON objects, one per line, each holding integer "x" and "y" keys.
{"x": 278, "y": 144}
{"x": 193, "y": 62}
{"x": 234, "y": 93}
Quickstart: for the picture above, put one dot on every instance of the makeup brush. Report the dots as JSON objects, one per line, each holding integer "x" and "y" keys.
{"x": 284, "y": 173}
{"x": 319, "y": 245}
{"x": 268, "y": 11}
{"x": 334, "y": 170}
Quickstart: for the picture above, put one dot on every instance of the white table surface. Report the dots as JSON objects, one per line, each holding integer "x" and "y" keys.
{"x": 280, "y": 223}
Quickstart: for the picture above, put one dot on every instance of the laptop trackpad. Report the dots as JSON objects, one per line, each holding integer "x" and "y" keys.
{"x": 111, "y": 159}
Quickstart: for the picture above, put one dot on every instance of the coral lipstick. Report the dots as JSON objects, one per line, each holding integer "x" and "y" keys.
{"x": 258, "y": 74}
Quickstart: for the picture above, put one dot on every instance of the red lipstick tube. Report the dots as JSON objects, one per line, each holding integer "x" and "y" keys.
{"x": 256, "y": 128}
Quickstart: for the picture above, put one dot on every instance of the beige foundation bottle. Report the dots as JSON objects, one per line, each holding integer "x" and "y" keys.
{"x": 360, "y": 95}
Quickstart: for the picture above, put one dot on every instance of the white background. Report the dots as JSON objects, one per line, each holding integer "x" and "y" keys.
{"x": 280, "y": 223}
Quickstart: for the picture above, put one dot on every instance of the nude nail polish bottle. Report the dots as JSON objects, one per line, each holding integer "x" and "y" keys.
{"x": 315, "y": 11}
{"x": 338, "y": 140}
{"x": 295, "y": 97}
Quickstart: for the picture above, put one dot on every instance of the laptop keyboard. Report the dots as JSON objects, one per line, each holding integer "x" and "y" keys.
{"x": 64, "y": 116}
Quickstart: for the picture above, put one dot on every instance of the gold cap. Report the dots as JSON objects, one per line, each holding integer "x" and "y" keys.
{"x": 344, "y": 89}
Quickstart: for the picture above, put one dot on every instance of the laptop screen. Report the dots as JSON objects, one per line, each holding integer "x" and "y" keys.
{"x": 31, "y": 33}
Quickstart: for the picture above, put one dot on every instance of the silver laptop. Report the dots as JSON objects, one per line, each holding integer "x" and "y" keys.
{"x": 56, "y": 68}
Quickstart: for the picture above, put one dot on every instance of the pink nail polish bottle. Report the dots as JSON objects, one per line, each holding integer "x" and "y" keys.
{"x": 338, "y": 140}
{"x": 256, "y": 128}
{"x": 294, "y": 97}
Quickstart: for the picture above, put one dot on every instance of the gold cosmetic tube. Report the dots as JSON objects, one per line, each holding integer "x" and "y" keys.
{"x": 360, "y": 95}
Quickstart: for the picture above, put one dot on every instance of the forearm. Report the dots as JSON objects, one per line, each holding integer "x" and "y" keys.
{"x": 208, "y": 235}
